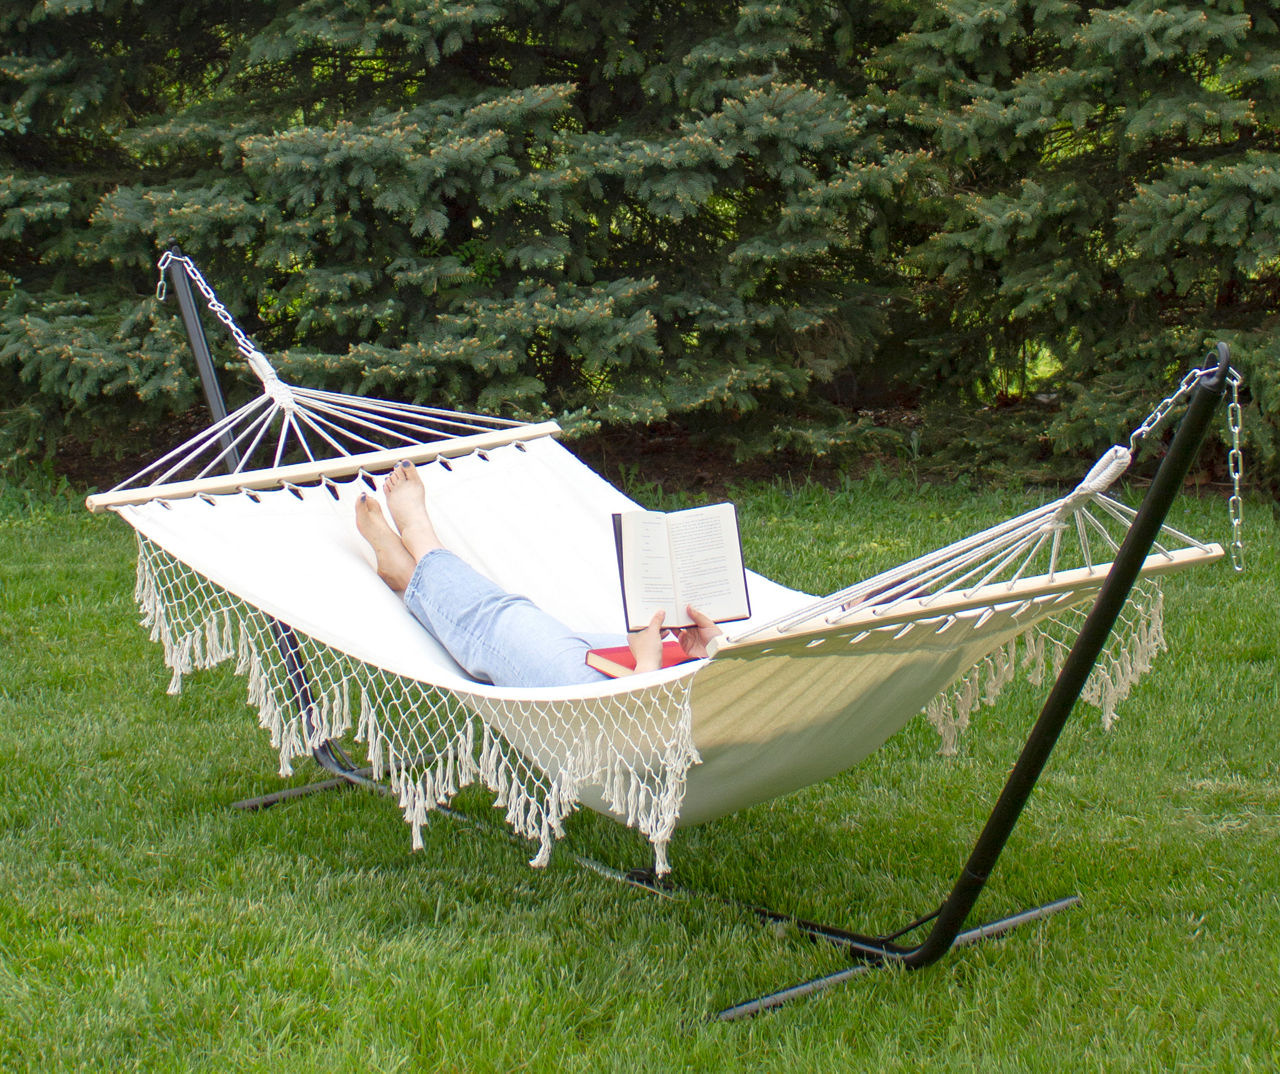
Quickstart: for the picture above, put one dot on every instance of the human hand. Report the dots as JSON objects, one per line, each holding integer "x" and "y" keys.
{"x": 694, "y": 639}
{"x": 646, "y": 644}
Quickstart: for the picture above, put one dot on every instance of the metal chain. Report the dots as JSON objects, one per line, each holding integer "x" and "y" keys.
{"x": 1235, "y": 463}
{"x": 243, "y": 343}
{"x": 1162, "y": 411}
{"x": 1235, "y": 460}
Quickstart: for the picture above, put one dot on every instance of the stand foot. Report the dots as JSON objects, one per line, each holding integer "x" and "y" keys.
{"x": 276, "y": 797}
{"x": 346, "y": 776}
{"x": 974, "y": 935}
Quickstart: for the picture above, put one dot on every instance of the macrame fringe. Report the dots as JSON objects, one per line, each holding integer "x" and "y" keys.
{"x": 196, "y": 640}
{"x": 1112, "y": 681}
{"x": 644, "y": 788}
{"x": 949, "y": 712}
{"x": 637, "y": 747}
{"x": 1040, "y": 654}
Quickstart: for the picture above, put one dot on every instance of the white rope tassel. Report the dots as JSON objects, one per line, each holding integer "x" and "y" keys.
{"x": 146, "y": 590}
{"x": 1001, "y": 665}
{"x": 217, "y": 641}
{"x": 1033, "y": 656}
{"x": 148, "y": 593}
{"x": 488, "y": 758}
{"x": 244, "y": 661}
{"x": 467, "y": 771}
{"x": 545, "y": 843}
{"x": 178, "y": 657}
{"x": 416, "y": 811}
{"x": 941, "y": 715}
{"x": 285, "y": 733}
{"x": 666, "y": 809}
{"x": 291, "y": 746}
{"x": 373, "y": 736}
{"x": 554, "y": 811}
{"x": 518, "y": 809}
{"x": 340, "y": 709}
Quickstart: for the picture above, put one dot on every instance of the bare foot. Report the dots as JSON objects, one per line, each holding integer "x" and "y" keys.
{"x": 407, "y": 499}
{"x": 395, "y": 562}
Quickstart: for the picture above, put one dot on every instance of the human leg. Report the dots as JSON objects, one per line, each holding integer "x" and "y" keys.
{"x": 496, "y": 636}
{"x": 395, "y": 562}
{"x": 407, "y": 501}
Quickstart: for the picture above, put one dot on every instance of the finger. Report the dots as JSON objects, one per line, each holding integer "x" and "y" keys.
{"x": 654, "y": 624}
{"x": 698, "y": 617}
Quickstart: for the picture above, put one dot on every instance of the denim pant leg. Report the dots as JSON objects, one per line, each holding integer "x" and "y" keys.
{"x": 496, "y": 636}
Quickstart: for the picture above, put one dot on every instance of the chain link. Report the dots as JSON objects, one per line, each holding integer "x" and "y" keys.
{"x": 1162, "y": 410}
{"x": 243, "y": 343}
{"x": 1235, "y": 463}
{"x": 1235, "y": 460}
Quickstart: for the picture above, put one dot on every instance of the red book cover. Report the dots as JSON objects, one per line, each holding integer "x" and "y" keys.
{"x": 619, "y": 660}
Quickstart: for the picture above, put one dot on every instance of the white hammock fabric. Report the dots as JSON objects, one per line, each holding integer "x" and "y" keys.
{"x": 801, "y": 691}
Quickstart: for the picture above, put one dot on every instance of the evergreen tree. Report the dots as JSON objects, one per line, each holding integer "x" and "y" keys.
{"x": 1112, "y": 175}
{"x": 613, "y": 213}
{"x": 645, "y": 210}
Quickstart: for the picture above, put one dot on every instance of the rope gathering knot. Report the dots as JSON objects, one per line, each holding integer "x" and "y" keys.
{"x": 1104, "y": 474}
{"x": 281, "y": 394}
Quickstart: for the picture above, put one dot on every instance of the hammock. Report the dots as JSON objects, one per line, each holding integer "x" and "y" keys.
{"x": 229, "y": 564}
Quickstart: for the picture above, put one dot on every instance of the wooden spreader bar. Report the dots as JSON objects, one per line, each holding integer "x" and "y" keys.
{"x": 303, "y": 473}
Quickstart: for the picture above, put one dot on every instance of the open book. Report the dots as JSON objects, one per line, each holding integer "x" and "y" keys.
{"x": 668, "y": 561}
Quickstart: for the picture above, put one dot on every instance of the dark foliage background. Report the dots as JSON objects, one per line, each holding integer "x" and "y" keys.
{"x": 762, "y": 222}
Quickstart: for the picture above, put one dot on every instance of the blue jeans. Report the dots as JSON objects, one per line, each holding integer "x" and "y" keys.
{"x": 498, "y": 637}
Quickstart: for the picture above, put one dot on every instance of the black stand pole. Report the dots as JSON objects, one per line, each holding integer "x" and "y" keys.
{"x": 950, "y": 918}
{"x": 181, "y": 286}
{"x": 329, "y": 755}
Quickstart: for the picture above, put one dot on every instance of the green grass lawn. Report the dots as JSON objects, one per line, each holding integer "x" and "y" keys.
{"x": 146, "y": 925}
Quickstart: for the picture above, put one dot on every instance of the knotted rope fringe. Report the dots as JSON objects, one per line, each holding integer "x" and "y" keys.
{"x": 534, "y": 756}
{"x": 428, "y": 743}
{"x": 1040, "y": 653}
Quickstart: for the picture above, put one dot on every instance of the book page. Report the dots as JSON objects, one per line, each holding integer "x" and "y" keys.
{"x": 706, "y": 553}
{"x": 644, "y": 559}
